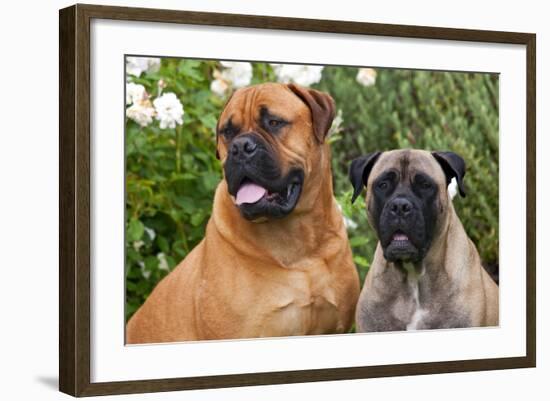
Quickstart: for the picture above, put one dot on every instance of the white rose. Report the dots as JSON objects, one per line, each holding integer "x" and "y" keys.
{"x": 136, "y": 65}
{"x": 348, "y": 223}
{"x": 336, "y": 125}
{"x": 135, "y": 93}
{"x": 366, "y": 76}
{"x": 169, "y": 110}
{"x": 144, "y": 272}
{"x": 219, "y": 87}
{"x": 238, "y": 74}
{"x": 142, "y": 113}
{"x": 150, "y": 232}
{"x": 163, "y": 263}
{"x": 304, "y": 75}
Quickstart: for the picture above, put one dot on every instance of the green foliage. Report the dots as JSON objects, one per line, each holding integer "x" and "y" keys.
{"x": 171, "y": 174}
{"x": 363, "y": 243}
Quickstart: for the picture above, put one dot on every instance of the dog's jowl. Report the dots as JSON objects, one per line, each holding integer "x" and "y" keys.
{"x": 275, "y": 260}
{"x": 426, "y": 272}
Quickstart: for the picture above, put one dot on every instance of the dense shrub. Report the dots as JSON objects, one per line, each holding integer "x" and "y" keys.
{"x": 171, "y": 173}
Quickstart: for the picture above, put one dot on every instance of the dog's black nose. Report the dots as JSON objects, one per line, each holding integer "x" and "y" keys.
{"x": 401, "y": 207}
{"x": 243, "y": 146}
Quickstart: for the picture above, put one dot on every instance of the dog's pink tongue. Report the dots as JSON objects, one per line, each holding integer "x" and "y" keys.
{"x": 249, "y": 193}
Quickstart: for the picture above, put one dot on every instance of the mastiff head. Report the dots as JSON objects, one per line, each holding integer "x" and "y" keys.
{"x": 271, "y": 142}
{"x": 407, "y": 199}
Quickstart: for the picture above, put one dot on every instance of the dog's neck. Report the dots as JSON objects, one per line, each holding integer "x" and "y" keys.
{"x": 448, "y": 243}
{"x": 277, "y": 240}
{"x": 440, "y": 249}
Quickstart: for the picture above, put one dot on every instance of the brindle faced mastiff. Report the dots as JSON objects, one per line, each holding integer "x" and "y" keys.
{"x": 275, "y": 260}
{"x": 426, "y": 272}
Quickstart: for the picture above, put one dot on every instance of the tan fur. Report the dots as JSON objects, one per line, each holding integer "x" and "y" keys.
{"x": 293, "y": 276}
{"x": 450, "y": 272}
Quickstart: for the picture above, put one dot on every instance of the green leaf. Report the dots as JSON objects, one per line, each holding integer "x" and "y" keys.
{"x": 358, "y": 241}
{"x": 210, "y": 181}
{"x": 135, "y": 230}
{"x": 197, "y": 219}
{"x": 163, "y": 244}
{"x": 209, "y": 121}
{"x": 188, "y": 69}
{"x": 151, "y": 262}
{"x": 361, "y": 261}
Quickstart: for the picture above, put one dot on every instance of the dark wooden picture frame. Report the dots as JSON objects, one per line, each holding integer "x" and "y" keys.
{"x": 74, "y": 202}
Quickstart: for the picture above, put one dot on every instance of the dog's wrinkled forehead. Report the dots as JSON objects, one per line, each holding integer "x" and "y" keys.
{"x": 407, "y": 163}
{"x": 246, "y": 106}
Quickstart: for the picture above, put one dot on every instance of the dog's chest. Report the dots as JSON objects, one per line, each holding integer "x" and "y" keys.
{"x": 423, "y": 303}
{"x": 418, "y": 312}
{"x": 407, "y": 306}
{"x": 306, "y": 305}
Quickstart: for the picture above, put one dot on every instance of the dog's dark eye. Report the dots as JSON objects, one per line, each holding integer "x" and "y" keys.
{"x": 275, "y": 123}
{"x": 228, "y": 132}
{"x": 423, "y": 183}
{"x": 383, "y": 185}
{"x": 270, "y": 122}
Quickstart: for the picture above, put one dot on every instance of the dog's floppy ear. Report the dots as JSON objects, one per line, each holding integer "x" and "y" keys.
{"x": 321, "y": 106}
{"x": 453, "y": 166}
{"x": 359, "y": 171}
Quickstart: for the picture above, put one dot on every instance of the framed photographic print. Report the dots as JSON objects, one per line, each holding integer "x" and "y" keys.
{"x": 251, "y": 200}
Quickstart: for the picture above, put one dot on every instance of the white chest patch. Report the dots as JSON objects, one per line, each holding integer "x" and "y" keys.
{"x": 416, "y": 319}
{"x": 418, "y": 312}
